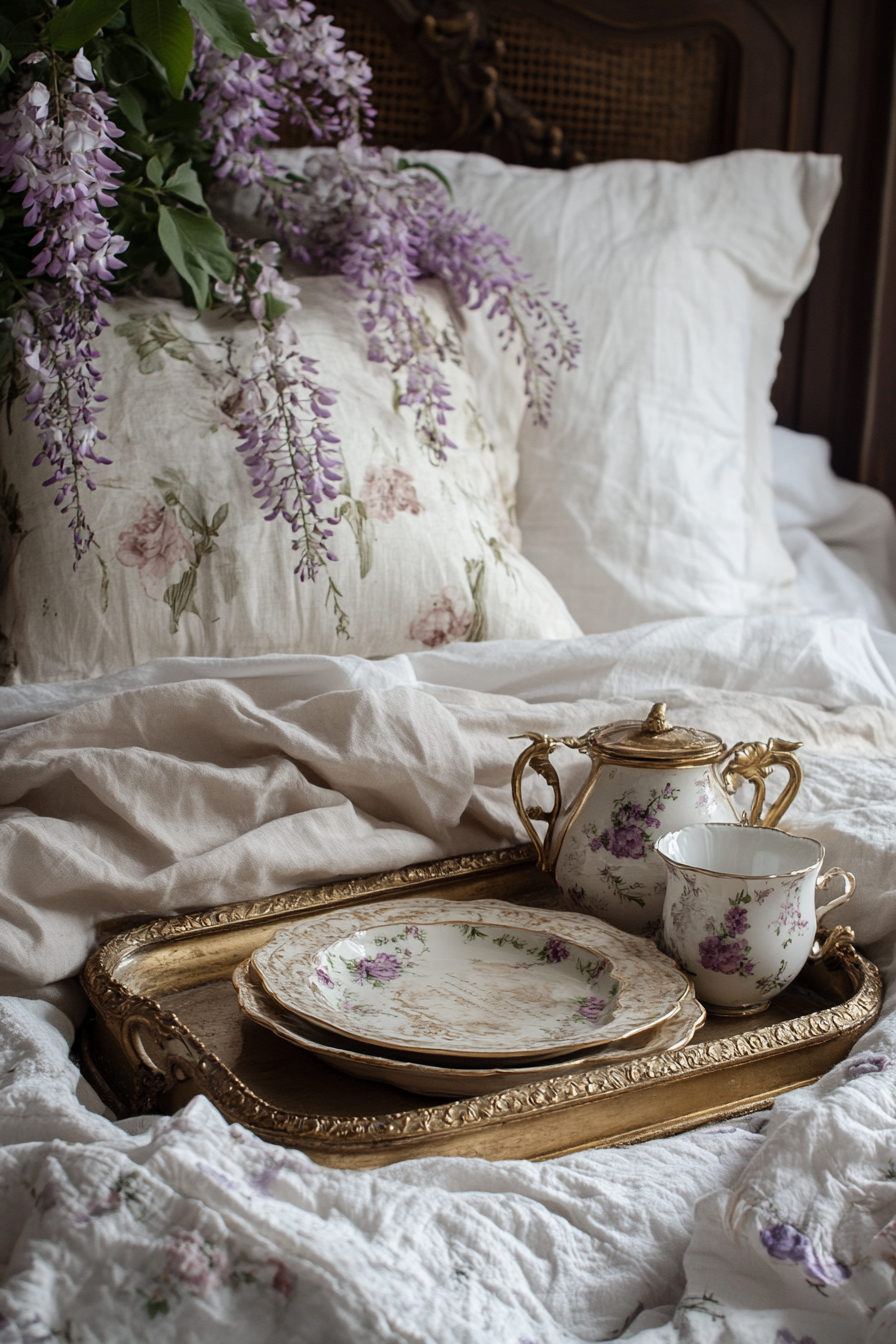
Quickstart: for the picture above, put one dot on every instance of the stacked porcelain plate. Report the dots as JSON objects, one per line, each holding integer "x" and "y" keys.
{"x": 455, "y": 999}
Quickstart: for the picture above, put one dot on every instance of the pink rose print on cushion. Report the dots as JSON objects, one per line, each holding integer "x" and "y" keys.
{"x": 442, "y": 618}
{"x": 388, "y": 490}
{"x": 153, "y": 544}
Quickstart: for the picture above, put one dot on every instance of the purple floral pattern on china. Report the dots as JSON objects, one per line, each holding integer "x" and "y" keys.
{"x": 724, "y": 950}
{"x": 633, "y": 825}
{"x": 484, "y": 986}
{"x": 740, "y": 911}
{"x": 606, "y": 864}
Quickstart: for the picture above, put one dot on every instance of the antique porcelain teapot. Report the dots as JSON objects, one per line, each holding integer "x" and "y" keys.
{"x": 646, "y": 779}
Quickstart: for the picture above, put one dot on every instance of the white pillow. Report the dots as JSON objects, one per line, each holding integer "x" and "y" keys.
{"x": 649, "y": 495}
{"x": 187, "y": 564}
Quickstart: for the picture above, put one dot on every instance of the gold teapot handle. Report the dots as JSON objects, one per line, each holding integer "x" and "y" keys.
{"x": 537, "y": 754}
{"x": 755, "y": 761}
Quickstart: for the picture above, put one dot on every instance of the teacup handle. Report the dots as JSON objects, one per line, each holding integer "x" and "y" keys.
{"x": 537, "y": 754}
{"x": 755, "y": 761}
{"x": 822, "y": 885}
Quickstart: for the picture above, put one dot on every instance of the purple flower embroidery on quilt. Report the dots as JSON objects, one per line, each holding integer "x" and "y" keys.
{"x": 783, "y": 1241}
{"x": 866, "y": 1063}
{"x": 284, "y": 1283}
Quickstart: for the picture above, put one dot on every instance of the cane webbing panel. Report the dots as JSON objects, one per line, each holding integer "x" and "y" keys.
{"x": 656, "y": 98}
{"x": 659, "y": 97}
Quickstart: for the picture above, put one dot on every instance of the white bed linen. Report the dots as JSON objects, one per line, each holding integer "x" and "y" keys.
{"x": 186, "y": 1229}
{"x": 840, "y": 535}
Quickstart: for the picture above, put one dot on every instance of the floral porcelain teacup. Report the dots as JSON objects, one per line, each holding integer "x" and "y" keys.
{"x": 645, "y": 779}
{"x": 739, "y": 912}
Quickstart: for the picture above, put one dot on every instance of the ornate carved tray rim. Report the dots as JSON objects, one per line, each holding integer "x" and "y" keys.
{"x": 112, "y": 999}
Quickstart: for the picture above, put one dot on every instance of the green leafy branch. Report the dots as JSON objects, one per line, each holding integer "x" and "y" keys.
{"x": 142, "y": 53}
{"x": 164, "y": 26}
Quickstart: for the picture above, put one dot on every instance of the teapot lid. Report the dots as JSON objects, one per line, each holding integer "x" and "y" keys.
{"x": 657, "y": 741}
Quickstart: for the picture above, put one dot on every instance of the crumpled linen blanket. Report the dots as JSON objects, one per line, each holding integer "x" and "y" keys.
{"x": 185, "y": 784}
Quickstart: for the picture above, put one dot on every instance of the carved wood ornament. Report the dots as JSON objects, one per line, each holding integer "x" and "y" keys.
{"x": 454, "y": 33}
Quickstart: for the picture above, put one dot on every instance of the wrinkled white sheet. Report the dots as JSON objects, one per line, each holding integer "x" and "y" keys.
{"x": 841, "y": 536}
{"x": 186, "y": 783}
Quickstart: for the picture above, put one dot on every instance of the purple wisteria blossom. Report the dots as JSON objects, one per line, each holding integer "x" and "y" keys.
{"x": 308, "y": 76}
{"x": 783, "y": 1241}
{"x": 280, "y": 413}
{"x": 384, "y": 227}
{"x": 54, "y": 147}
{"x": 359, "y": 213}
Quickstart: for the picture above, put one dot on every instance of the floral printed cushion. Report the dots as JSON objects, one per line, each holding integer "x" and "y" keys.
{"x": 188, "y": 565}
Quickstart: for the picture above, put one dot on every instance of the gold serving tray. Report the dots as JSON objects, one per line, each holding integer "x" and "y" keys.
{"x": 167, "y": 1027}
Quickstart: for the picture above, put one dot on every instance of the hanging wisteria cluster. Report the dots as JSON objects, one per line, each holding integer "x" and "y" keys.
{"x": 57, "y": 155}
{"x": 282, "y": 411}
{"x": 356, "y": 210}
{"x": 384, "y": 226}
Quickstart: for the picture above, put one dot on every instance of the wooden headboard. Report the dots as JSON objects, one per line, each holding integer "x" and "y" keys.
{"x": 560, "y": 82}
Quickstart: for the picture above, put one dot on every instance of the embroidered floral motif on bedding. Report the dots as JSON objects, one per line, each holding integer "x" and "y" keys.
{"x": 185, "y": 563}
{"x": 785, "y": 1242}
{"x": 388, "y": 490}
{"x": 157, "y": 542}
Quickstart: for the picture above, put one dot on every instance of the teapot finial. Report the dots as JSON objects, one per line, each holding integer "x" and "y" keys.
{"x": 656, "y": 721}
